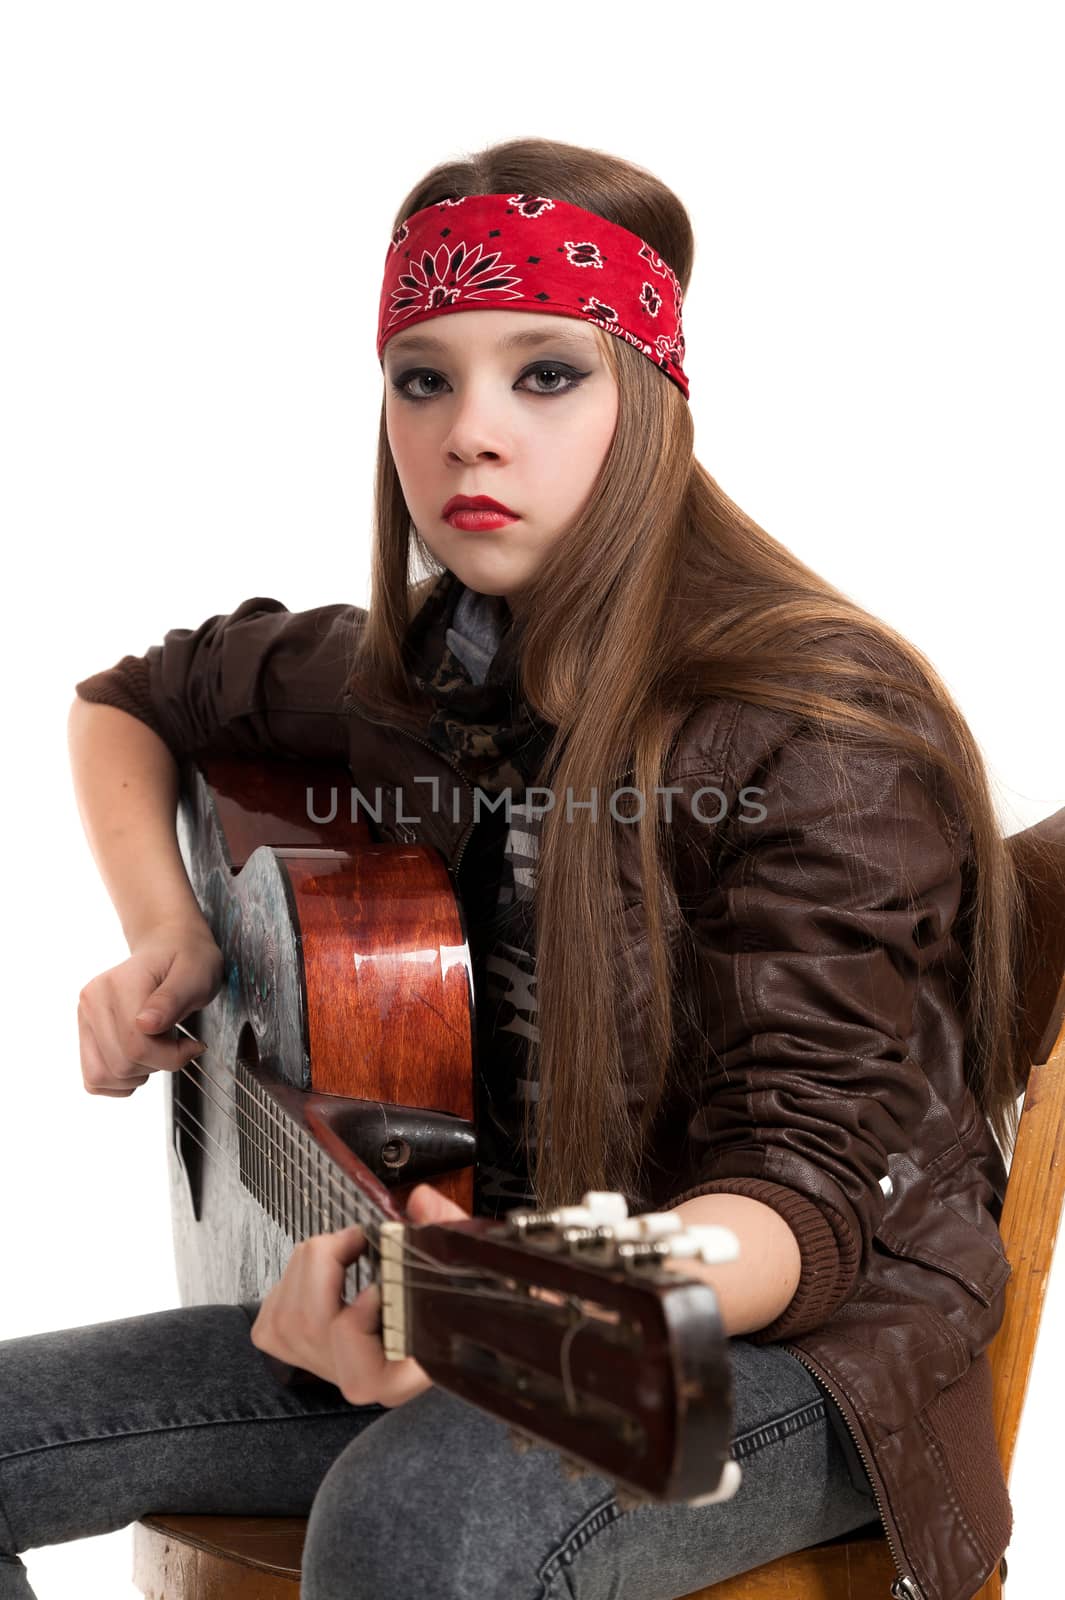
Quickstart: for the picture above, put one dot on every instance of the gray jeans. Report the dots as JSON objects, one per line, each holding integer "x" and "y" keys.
{"x": 178, "y": 1411}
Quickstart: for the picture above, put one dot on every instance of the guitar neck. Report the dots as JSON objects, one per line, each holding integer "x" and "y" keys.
{"x": 295, "y": 1179}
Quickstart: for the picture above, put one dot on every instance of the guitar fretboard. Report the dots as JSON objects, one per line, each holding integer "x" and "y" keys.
{"x": 294, "y": 1180}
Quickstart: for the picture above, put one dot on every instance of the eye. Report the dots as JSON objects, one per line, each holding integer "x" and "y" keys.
{"x": 570, "y": 376}
{"x": 400, "y": 384}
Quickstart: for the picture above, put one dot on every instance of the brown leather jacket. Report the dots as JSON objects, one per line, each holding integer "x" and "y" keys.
{"x": 826, "y": 1075}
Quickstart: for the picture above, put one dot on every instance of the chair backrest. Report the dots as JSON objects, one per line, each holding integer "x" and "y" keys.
{"x": 1035, "y": 1189}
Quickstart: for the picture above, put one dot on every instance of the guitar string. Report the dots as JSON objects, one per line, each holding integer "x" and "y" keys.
{"x": 343, "y": 1197}
{"x": 571, "y": 1303}
{"x": 508, "y": 1296}
{"x": 373, "y": 1210}
{"x": 343, "y": 1200}
{"x": 417, "y": 1260}
{"x": 412, "y": 1255}
{"x": 184, "y": 1118}
{"x": 272, "y": 1201}
{"x": 263, "y": 1147}
{"x": 370, "y": 1208}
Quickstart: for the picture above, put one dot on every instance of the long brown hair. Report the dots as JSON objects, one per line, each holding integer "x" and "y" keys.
{"x": 662, "y": 593}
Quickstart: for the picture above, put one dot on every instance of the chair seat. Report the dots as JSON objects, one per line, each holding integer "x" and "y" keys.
{"x": 197, "y": 1558}
{"x": 201, "y": 1558}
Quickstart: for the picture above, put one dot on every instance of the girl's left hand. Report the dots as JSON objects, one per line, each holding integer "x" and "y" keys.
{"x": 304, "y": 1319}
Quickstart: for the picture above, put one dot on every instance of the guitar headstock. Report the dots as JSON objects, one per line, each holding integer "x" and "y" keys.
{"x": 568, "y": 1325}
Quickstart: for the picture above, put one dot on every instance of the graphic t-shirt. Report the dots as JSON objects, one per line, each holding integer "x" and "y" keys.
{"x": 459, "y": 638}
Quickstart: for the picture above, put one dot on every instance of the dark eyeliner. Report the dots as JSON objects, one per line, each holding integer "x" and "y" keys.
{"x": 563, "y": 368}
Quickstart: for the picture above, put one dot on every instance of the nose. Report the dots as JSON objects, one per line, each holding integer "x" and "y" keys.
{"x": 456, "y": 453}
{"x": 476, "y": 428}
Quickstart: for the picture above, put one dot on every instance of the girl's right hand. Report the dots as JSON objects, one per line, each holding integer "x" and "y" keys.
{"x": 175, "y": 969}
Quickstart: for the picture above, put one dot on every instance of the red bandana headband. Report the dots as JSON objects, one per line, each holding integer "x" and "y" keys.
{"x": 524, "y": 252}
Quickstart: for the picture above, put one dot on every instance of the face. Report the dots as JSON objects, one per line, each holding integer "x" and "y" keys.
{"x": 507, "y": 404}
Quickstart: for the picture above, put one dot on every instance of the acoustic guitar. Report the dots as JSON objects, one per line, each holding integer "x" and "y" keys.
{"x": 338, "y": 1073}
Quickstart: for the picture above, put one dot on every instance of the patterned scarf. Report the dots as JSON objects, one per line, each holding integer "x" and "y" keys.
{"x": 462, "y": 650}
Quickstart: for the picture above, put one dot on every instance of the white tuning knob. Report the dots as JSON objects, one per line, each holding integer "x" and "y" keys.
{"x": 605, "y": 1206}
{"x": 706, "y": 1242}
{"x": 601, "y": 1208}
{"x": 653, "y": 1225}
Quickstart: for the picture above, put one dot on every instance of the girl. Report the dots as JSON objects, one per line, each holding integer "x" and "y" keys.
{"x": 774, "y": 992}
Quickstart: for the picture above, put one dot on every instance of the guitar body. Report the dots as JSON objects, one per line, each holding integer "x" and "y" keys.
{"x": 347, "y": 975}
{"x": 338, "y": 1073}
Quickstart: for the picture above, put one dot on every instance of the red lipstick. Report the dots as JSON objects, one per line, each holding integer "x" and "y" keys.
{"x": 475, "y": 512}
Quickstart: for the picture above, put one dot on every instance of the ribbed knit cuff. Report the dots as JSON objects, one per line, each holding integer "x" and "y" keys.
{"x": 818, "y": 1290}
{"x": 125, "y": 685}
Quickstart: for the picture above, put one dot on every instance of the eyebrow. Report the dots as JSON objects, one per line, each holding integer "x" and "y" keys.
{"x": 513, "y": 341}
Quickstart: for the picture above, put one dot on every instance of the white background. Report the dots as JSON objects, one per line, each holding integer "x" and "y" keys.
{"x": 197, "y": 200}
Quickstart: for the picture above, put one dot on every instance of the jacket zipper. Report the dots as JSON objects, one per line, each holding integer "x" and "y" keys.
{"x": 905, "y": 1586}
{"x": 409, "y": 834}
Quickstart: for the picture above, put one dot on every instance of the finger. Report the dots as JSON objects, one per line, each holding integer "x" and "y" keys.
{"x": 401, "y": 1381}
{"x": 124, "y": 1042}
{"x": 363, "y": 1314}
{"x": 319, "y": 1267}
{"x": 186, "y": 1051}
{"x": 427, "y": 1204}
{"x": 343, "y": 1245}
{"x": 119, "y": 1057}
{"x": 358, "y": 1355}
{"x": 364, "y": 1374}
{"x": 180, "y": 992}
{"x": 395, "y": 1384}
{"x": 296, "y": 1317}
{"x": 96, "y": 1075}
{"x": 289, "y": 1318}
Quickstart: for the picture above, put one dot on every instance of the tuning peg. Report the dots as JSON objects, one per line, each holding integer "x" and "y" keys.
{"x": 651, "y": 1225}
{"x": 702, "y": 1241}
{"x": 599, "y": 1208}
{"x": 605, "y": 1205}
{"x": 707, "y": 1242}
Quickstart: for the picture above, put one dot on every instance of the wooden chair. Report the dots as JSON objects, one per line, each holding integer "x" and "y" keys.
{"x": 258, "y": 1558}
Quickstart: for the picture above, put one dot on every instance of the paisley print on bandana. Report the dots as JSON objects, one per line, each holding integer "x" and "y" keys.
{"x": 520, "y": 251}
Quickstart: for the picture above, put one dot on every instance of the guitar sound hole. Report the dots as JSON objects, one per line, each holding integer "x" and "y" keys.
{"x": 187, "y": 1114}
